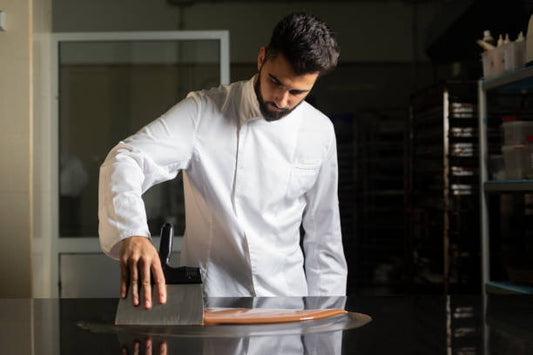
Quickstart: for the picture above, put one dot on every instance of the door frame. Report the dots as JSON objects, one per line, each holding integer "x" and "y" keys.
{"x": 49, "y": 244}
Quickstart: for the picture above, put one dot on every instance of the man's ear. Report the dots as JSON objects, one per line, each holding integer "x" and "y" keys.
{"x": 261, "y": 58}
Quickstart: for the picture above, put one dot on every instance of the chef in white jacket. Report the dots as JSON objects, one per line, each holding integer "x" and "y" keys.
{"x": 258, "y": 162}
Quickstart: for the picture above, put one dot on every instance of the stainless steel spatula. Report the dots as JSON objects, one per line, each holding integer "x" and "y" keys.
{"x": 185, "y": 303}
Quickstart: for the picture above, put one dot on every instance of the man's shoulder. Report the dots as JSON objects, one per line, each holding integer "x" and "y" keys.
{"x": 314, "y": 118}
{"x": 219, "y": 93}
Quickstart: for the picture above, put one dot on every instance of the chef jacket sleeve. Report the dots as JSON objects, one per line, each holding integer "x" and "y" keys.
{"x": 325, "y": 264}
{"x": 154, "y": 154}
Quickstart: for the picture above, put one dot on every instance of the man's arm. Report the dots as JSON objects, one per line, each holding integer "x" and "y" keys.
{"x": 153, "y": 155}
{"x": 325, "y": 265}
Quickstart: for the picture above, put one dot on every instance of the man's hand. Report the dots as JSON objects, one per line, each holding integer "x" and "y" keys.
{"x": 139, "y": 259}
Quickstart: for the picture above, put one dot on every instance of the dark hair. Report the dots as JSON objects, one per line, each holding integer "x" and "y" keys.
{"x": 306, "y": 42}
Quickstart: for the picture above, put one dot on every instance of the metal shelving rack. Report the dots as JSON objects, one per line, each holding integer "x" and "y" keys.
{"x": 516, "y": 88}
{"x": 443, "y": 187}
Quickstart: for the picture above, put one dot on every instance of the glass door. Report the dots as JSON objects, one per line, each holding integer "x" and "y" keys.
{"x": 109, "y": 85}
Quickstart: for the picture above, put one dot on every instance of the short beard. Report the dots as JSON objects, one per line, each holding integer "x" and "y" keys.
{"x": 269, "y": 115}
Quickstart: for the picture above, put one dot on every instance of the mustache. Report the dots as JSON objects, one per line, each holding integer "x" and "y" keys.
{"x": 276, "y": 106}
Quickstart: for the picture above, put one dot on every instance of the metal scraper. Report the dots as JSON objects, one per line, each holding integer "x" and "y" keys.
{"x": 185, "y": 304}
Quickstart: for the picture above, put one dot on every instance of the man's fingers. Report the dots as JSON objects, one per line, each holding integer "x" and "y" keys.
{"x": 159, "y": 280}
{"x": 148, "y": 346}
{"x": 145, "y": 278}
{"x": 124, "y": 278}
{"x": 134, "y": 281}
{"x": 163, "y": 348}
{"x": 136, "y": 347}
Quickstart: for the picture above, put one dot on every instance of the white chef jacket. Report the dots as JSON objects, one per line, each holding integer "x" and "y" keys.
{"x": 248, "y": 185}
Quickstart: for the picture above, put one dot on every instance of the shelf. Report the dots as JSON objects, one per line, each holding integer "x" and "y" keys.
{"x": 508, "y": 287}
{"x": 507, "y": 96}
{"x": 509, "y": 185}
{"x": 519, "y": 79}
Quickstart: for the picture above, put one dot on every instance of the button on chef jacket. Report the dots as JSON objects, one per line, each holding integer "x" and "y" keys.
{"x": 248, "y": 185}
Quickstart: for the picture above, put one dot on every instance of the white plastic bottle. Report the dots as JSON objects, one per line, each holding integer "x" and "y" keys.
{"x": 487, "y": 38}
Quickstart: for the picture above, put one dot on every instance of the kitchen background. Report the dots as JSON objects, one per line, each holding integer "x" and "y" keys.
{"x": 406, "y": 228}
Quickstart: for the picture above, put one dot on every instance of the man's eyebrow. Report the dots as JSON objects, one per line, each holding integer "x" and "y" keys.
{"x": 277, "y": 81}
{"x": 273, "y": 77}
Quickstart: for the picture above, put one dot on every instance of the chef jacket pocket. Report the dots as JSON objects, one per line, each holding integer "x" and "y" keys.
{"x": 302, "y": 178}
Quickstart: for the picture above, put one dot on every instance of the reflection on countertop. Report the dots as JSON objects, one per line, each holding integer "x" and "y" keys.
{"x": 400, "y": 325}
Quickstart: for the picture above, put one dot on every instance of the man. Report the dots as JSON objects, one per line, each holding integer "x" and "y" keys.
{"x": 258, "y": 162}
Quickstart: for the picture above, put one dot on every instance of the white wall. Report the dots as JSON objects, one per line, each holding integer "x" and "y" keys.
{"x": 24, "y": 105}
{"x": 45, "y": 133}
{"x": 15, "y": 149}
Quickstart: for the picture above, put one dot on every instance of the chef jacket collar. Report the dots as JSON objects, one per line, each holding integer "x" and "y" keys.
{"x": 250, "y": 103}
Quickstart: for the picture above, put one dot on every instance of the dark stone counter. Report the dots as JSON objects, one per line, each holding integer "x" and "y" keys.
{"x": 461, "y": 324}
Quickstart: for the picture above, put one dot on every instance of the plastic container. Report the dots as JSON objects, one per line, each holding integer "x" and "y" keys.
{"x": 514, "y": 55}
{"x": 515, "y": 131}
{"x": 493, "y": 62}
{"x": 514, "y": 157}
{"x": 529, "y": 157}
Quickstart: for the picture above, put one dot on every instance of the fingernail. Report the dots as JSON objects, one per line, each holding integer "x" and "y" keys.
{"x": 147, "y": 304}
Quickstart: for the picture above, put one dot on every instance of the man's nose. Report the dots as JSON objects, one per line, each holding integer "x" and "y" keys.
{"x": 282, "y": 98}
